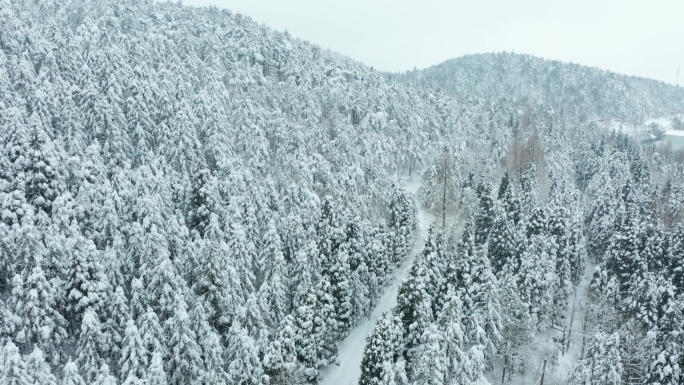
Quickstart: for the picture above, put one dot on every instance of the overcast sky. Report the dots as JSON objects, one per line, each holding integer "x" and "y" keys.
{"x": 634, "y": 37}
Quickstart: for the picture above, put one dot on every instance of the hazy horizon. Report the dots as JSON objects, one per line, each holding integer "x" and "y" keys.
{"x": 628, "y": 37}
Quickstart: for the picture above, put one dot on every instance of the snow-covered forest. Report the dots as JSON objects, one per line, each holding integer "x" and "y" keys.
{"x": 188, "y": 197}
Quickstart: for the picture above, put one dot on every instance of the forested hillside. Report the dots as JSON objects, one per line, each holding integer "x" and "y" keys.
{"x": 582, "y": 91}
{"x": 188, "y": 197}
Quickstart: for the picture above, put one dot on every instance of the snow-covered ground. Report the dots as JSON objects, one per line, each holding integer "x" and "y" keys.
{"x": 351, "y": 350}
{"x": 674, "y": 132}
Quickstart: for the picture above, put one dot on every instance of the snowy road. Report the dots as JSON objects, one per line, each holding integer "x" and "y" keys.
{"x": 350, "y": 355}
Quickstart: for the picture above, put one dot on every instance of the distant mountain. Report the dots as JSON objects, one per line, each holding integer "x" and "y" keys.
{"x": 587, "y": 91}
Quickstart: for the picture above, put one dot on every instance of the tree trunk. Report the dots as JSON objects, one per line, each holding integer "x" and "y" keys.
{"x": 503, "y": 375}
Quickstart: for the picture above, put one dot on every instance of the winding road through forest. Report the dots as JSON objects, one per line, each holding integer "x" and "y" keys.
{"x": 348, "y": 371}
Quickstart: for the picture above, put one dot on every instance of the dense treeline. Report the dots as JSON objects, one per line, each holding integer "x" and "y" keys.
{"x": 478, "y": 298}
{"x": 482, "y": 299}
{"x": 636, "y": 303}
{"x": 184, "y": 195}
{"x": 189, "y": 197}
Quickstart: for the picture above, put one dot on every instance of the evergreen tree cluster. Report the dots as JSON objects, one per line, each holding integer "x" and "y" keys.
{"x": 184, "y": 196}
{"x": 475, "y": 299}
{"x": 637, "y": 240}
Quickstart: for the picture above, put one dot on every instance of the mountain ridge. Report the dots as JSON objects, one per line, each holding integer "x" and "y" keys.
{"x": 551, "y": 82}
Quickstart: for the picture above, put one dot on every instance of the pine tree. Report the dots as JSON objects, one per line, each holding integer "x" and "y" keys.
{"x": 360, "y": 293}
{"x": 43, "y": 182}
{"x": 401, "y": 223}
{"x": 35, "y": 304}
{"x": 163, "y": 287}
{"x": 484, "y": 219}
{"x": 205, "y": 200}
{"x": 210, "y": 345}
{"x": 184, "y": 360}
{"x": 38, "y": 369}
{"x": 152, "y": 334}
{"x": 306, "y": 334}
{"x": 243, "y": 258}
{"x": 211, "y": 281}
{"x": 622, "y": 256}
{"x": 450, "y": 324}
{"x": 536, "y": 279}
{"x": 414, "y": 308}
{"x": 325, "y": 325}
{"x": 92, "y": 345}
{"x": 383, "y": 348}
{"x": 431, "y": 367}
{"x": 502, "y": 247}
{"x": 676, "y": 258}
{"x": 275, "y": 274}
{"x": 87, "y": 286}
{"x": 133, "y": 361}
{"x": 529, "y": 190}
{"x": 156, "y": 374}
{"x": 338, "y": 274}
{"x": 602, "y": 364}
{"x": 244, "y": 366}
{"x": 280, "y": 359}
{"x": 13, "y": 369}
{"x": 104, "y": 378}
{"x": 119, "y": 315}
{"x": 138, "y": 299}
{"x": 70, "y": 375}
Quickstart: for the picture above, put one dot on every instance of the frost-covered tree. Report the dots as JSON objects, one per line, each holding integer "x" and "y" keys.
{"x": 382, "y": 350}
{"x": 87, "y": 285}
{"x": 70, "y": 375}
{"x": 431, "y": 365}
{"x": 275, "y": 278}
{"x": 92, "y": 345}
{"x": 280, "y": 358}
{"x": 38, "y": 369}
{"x": 156, "y": 374}
{"x": 184, "y": 360}
{"x": 34, "y": 299}
{"x": 133, "y": 362}
{"x": 602, "y": 364}
{"x": 13, "y": 369}
{"x": 440, "y": 187}
{"x": 244, "y": 366}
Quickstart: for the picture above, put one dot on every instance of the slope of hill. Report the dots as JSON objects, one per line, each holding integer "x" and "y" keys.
{"x": 594, "y": 93}
{"x": 187, "y": 178}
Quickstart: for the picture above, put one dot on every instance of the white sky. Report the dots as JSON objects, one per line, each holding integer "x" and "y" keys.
{"x": 634, "y": 37}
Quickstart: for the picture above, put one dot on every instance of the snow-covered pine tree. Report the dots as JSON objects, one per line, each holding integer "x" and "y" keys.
{"x": 104, "y": 377}
{"x": 92, "y": 345}
{"x": 244, "y": 366}
{"x": 38, "y": 369}
{"x": 183, "y": 362}
{"x": 155, "y": 373}
{"x": 133, "y": 362}
{"x": 34, "y": 299}
{"x": 431, "y": 364}
{"x": 383, "y": 348}
{"x": 70, "y": 375}
{"x": 13, "y": 369}
{"x": 280, "y": 361}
